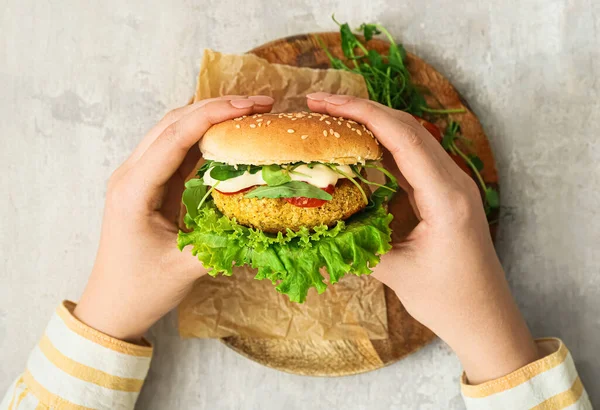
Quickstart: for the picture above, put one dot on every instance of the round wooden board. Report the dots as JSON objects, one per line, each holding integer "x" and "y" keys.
{"x": 406, "y": 335}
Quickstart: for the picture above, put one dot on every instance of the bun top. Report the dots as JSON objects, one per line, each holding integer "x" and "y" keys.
{"x": 263, "y": 139}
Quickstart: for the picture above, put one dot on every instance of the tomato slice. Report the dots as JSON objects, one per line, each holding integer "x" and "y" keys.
{"x": 304, "y": 202}
{"x": 432, "y": 128}
{"x": 236, "y": 192}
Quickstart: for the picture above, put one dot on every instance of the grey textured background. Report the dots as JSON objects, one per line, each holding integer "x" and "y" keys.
{"x": 81, "y": 82}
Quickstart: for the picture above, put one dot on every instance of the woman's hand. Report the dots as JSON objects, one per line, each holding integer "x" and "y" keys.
{"x": 139, "y": 274}
{"x": 446, "y": 272}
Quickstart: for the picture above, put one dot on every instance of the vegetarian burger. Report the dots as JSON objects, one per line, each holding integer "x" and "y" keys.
{"x": 288, "y": 195}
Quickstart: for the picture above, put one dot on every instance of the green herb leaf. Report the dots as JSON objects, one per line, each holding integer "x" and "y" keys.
{"x": 223, "y": 172}
{"x": 395, "y": 58}
{"x": 383, "y": 194}
{"x": 205, "y": 167}
{"x": 253, "y": 169}
{"x": 450, "y": 135}
{"x": 369, "y": 30}
{"x": 477, "y": 162}
{"x": 349, "y": 40}
{"x": 492, "y": 198}
{"x": 386, "y": 76}
{"x": 275, "y": 175}
{"x": 291, "y": 189}
{"x": 351, "y": 179}
{"x": 402, "y": 52}
{"x": 194, "y": 191}
{"x": 375, "y": 59}
{"x": 447, "y": 141}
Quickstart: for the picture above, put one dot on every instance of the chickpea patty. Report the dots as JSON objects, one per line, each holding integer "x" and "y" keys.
{"x": 276, "y": 214}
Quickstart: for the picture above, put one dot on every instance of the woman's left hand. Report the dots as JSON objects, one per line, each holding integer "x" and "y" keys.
{"x": 139, "y": 274}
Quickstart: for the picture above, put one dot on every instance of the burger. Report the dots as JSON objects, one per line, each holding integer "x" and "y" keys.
{"x": 289, "y": 195}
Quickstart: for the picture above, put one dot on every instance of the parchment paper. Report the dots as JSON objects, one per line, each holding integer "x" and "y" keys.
{"x": 354, "y": 308}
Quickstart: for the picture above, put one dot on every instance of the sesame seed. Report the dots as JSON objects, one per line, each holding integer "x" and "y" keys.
{"x": 259, "y": 115}
{"x": 358, "y": 132}
{"x": 352, "y": 122}
{"x": 299, "y": 115}
{"x": 304, "y": 137}
{"x": 259, "y": 124}
{"x": 268, "y": 122}
{"x": 291, "y": 131}
{"x": 237, "y": 119}
{"x": 254, "y": 116}
{"x": 259, "y": 120}
{"x": 336, "y": 134}
{"x": 331, "y": 131}
{"x": 252, "y": 125}
{"x": 322, "y": 118}
{"x": 348, "y": 125}
{"x": 353, "y": 129}
{"x": 324, "y": 133}
{"x": 294, "y": 119}
{"x": 310, "y": 116}
{"x": 237, "y": 125}
{"x": 328, "y": 122}
{"x": 339, "y": 123}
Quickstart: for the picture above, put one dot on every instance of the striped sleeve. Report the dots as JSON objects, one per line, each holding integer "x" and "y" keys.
{"x": 549, "y": 383}
{"x": 76, "y": 367}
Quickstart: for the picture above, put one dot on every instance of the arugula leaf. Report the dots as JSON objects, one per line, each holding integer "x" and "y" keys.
{"x": 291, "y": 189}
{"x": 291, "y": 261}
{"x": 193, "y": 194}
{"x": 253, "y": 169}
{"x": 223, "y": 172}
{"x": 205, "y": 167}
{"x": 275, "y": 175}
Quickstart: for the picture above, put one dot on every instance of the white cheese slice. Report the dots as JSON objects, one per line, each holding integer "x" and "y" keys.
{"x": 319, "y": 175}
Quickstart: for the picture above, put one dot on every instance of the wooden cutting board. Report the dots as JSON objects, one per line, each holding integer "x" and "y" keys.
{"x": 406, "y": 335}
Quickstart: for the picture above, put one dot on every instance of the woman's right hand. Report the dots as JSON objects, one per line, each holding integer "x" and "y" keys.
{"x": 446, "y": 271}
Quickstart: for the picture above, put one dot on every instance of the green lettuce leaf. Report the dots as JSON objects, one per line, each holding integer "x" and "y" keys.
{"x": 291, "y": 260}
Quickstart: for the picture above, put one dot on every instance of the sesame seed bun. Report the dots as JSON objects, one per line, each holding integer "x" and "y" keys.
{"x": 289, "y": 137}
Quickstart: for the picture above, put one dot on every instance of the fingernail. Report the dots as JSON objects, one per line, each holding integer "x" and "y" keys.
{"x": 242, "y": 103}
{"x": 338, "y": 99}
{"x": 320, "y": 96}
{"x": 262, "y": 99}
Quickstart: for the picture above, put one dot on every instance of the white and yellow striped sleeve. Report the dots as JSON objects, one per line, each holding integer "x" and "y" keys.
{"x": 551, "y": 382}
{"x": 77, "y": 367}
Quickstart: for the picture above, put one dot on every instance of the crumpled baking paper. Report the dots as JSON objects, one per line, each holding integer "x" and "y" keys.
{"x": 354, "y": 308}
